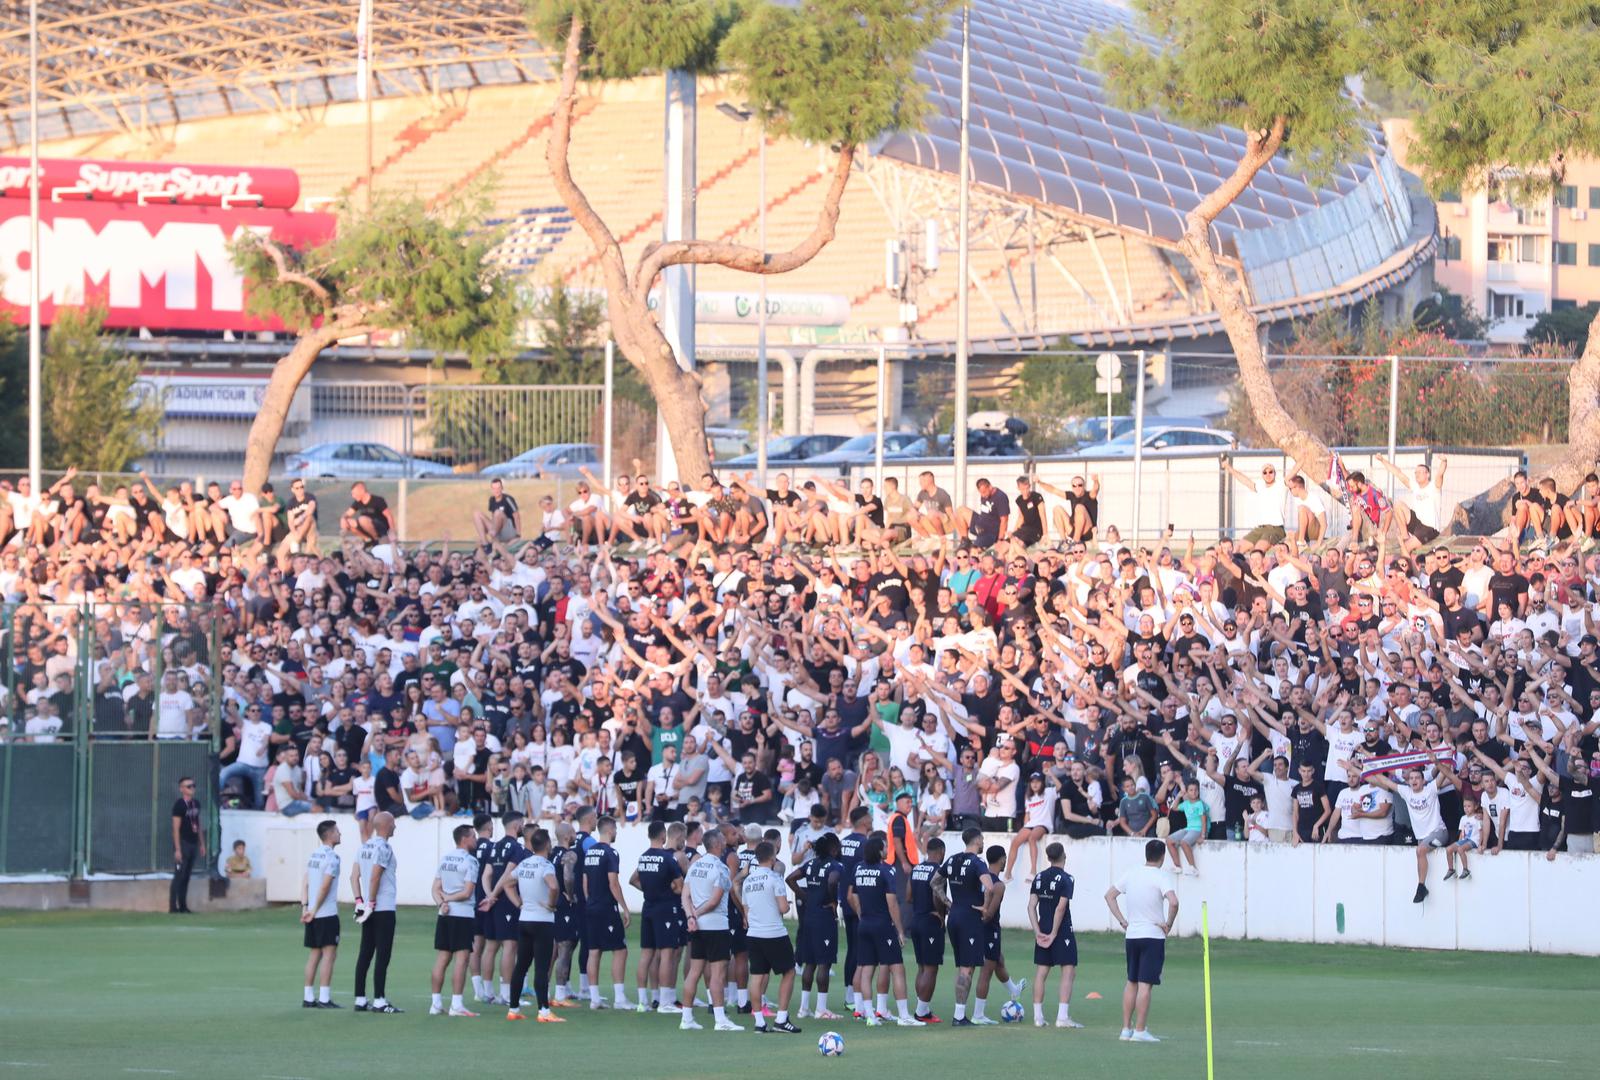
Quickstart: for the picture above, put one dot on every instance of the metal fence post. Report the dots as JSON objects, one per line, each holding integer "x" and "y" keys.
{"x": 214, "y": 763}
{"x": 404, "y": 496}
{"x": 1394, "y": 414}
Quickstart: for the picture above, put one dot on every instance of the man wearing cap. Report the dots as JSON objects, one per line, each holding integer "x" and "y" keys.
{"x": 901, "y": 852}
{"x": 1264, "y": 509}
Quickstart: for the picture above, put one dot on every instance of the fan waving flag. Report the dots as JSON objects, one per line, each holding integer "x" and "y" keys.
{"x": 1411, "y": 759}
{"x": 363, "y": 50}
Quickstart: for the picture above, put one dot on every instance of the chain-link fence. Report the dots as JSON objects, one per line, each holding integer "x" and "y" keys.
{"x": 106, "y": 705}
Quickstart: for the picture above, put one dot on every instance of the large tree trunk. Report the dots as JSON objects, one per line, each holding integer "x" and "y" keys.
{"x": 638, "y": 336}
{"x": 287, "y": 375}
{"x": 1486, "y": 513}
{"x": 1227, "y": 295}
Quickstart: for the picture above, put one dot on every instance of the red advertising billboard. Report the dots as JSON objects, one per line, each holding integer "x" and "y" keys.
{"x": 164, "y": 266}
{"x": 157, "y": 181}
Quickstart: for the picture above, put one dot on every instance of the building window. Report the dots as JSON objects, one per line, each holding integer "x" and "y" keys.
{"x": 1562, "y": 305}
{"x": 1567, "y": 196}
{"x": 1594, "y": 198}
{"x": 1505, "y": 305}
{"x": 1455, "y": 196}
{"x": 1450, "y": 248}
{"x": 1594, "y": 254}
{"x": 1565, "y": 253}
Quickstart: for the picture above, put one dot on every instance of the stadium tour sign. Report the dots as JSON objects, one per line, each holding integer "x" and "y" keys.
{"x": 149, "y": 240}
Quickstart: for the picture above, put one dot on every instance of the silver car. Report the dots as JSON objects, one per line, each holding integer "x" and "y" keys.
{"x": 1166, "y": 441}
{"x": 359, "y": 461}
{"x": 553, "y": 459}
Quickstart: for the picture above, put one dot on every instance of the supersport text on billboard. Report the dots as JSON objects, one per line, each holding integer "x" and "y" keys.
{"x": 163, "y": 267}
{"x": 125, "y": 181}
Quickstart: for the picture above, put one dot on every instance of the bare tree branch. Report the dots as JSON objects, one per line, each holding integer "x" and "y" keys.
{"x": 657, "y": 257}
{"x": 293, "y": 277}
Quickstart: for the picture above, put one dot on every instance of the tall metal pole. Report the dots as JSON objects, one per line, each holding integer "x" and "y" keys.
{"x": 606, "y": 411}
{"x": 366, "y": 86}
{"x": 1138, "y": 447}
{"x": 883, "y": 407}
{"x": 1394, "y": 413}
{"x": 677, "y": 282}
{"x": 763, "y": 411}
{"x": 35, "y": 256}
{"x": 959, "y": 436}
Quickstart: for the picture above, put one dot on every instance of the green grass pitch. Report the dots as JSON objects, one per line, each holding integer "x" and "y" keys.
{"x": 109, "y": 995}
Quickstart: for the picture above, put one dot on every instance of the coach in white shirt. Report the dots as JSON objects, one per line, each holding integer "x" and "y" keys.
{"x": 1151, "y": 904}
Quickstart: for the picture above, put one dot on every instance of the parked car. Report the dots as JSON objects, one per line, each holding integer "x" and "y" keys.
{"x": 1165, "y": 441}
{"x": 790, "y": 450}
{"x": 553, "y": 459}
{"x": 729, "y": 441}
{"x": 1093, "y": 430}
{"x": 359, "y": 461}
{"x": 861, "y": 450}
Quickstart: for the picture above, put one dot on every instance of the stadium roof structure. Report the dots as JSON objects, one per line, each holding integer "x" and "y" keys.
{"x": 1045, "y": 131}
{"x": 105, "y": 66}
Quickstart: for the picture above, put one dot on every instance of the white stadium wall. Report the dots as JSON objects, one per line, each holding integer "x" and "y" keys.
{"x": 1514, "y": 902}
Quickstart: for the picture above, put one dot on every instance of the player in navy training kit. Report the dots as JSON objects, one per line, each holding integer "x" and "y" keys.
{"x": 659, "y": 877}
{"x": 1050, "y": 913}
{"x": 482, "y": 850}
{"x": 501, "y": 930}
{"x": 928, "y": 905}
{"x": 817, "y": 884}
{"x": 880, "y": 934}
{"x": 970, "y": 881}
{"x": 849, "y": 856}
{"x": 994, "y": 960}
{"x": 605, "y": 916}
{"x": 565, "y": 857}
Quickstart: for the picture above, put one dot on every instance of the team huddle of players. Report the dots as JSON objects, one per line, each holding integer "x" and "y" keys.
{"x": 714, "y": 903}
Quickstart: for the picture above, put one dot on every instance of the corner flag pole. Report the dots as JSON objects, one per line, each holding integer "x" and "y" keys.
{"x": 1205, "y": 946}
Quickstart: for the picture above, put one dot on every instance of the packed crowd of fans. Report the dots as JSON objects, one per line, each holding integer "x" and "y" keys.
{"x": 726, "y": 653}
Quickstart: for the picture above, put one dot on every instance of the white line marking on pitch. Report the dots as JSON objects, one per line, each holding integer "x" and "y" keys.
{"x": 23, "y": 1064}
{"x": 1376, "y": 1050}
{"x": 1252, "y": 1042}
{"x": 160, "y": 1072}
{"x": 1538, "y": 1061}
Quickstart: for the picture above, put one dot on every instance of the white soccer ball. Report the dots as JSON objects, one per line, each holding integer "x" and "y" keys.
{"x": 831, "y": 1044}
{"x": 1011, "y": 1012}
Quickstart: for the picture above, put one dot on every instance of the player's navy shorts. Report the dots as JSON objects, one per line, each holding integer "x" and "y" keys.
{"x": 566, "y": 925}
{"x": 819, "y": 943}
{"x": 454, "y": 933}
{"x": 712, "y": 946}
{"x": 603, "y": 930}
{"x": 322, "y": 932}
{"x": 877, "y": 943}
{"x": 664, "y": 929}
{"x": 482, "y": 921}
{"x": 1145, "y": 957}
{"x": 991, "y": 941}
{"x": 927, "y": 939}
{"x": 1063, "y": 952}
{"x": 738, "y": 938}
{"x": 968, "y": 937}
{"x": 770, "y": 956}
{"x": 503, "y": 923}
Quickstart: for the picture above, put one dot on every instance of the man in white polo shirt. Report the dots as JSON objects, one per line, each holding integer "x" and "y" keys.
{"x": 1144, "y": 903}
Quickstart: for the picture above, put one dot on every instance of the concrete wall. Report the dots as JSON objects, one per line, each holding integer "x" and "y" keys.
{"x": 1515, "y": 902}
{"x": 131, "y": 894}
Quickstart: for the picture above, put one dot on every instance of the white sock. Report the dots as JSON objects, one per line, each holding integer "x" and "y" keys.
{"x": 361, "y": 1001}
{"x": 688, "y": 1013}
{"x": 960, "y": 1012}
{"x": 504, "y": 989}
{"x": 805, "y": 1001}
{"x": 669, "y": 995}
{"x": 783, "y": 1016}
{"x": 1061, "y": 1012}
{"x": 562, "y": 992}
{"x": 325, "y": 994}
{"x": 922, "y": 1008}
{"x": 619, "y": 994}
{"x": 905, "y": 1012}
{"x": 311, "y": 993}
{"x": 594, "y": 995}
{"x": 720, "y": 1013}
{"x": 1014, "y": 986}
{"x": 761, "y": 1019}
{"x": 883, "y": 1004}
{"x": 379, "y": 1003}
{"x": 583, "y": 984}
{"x": 456, "y": 1002}
{"x": 438, "y": 1001}
{"x": 744, "y": 997}
{"x": 1038, "y": 1012}
{"x": 477, "y": 986}
{"x": 822, "y": 1001}
{"x": 977, "y": 1007}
